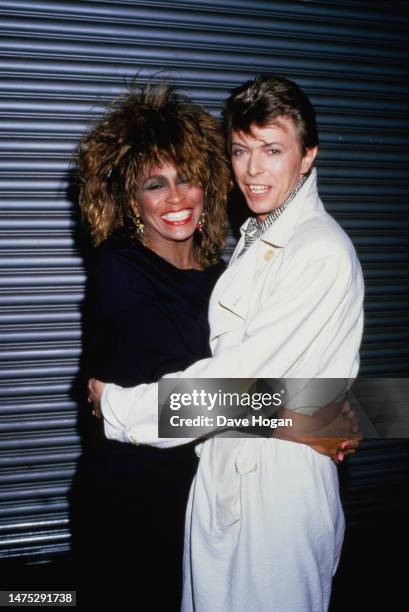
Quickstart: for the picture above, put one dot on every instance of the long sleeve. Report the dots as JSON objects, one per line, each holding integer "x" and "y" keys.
{"x": 313, "y": 302}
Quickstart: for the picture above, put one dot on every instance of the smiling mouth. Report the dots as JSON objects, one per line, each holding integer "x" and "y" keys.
{"x": 178, "y": 217}
{"x": 257, "y": 189}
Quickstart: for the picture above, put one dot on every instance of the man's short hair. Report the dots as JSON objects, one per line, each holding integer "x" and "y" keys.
{"x": 265, "y": 98}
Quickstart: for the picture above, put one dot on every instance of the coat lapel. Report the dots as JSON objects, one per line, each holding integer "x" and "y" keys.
{"x": 231, "y": 304}
{"x": 231, "y": 299}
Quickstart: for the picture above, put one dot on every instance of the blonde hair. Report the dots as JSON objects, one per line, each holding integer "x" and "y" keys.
{"x": 147, "y": 128}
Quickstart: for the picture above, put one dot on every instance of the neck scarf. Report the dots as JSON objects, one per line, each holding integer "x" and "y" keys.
{"x": 254, "y": 230}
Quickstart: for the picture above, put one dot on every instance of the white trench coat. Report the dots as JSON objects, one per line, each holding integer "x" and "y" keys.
{"x": 264, "y": 523}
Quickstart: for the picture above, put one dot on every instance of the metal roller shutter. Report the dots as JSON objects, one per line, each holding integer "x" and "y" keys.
{"x": 60, "y": 61}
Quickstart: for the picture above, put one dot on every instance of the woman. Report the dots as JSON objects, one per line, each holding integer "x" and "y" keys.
{"x": 264, "y": 522}
{"x": 154, "y": 184}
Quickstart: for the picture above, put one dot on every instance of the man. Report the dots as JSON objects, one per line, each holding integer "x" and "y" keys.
{"x": 264, "y": 521}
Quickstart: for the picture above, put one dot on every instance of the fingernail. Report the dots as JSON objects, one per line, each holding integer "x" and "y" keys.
{"x": 340, "y": 456}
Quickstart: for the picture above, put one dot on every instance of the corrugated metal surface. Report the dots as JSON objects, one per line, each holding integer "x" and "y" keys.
{"x": 59, "y": 64}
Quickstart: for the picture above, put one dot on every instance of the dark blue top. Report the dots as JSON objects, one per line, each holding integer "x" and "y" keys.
{"x": 151, "y": 317}
{"x": 128, "y": 501}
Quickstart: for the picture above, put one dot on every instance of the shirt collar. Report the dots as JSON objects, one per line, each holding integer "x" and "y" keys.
{"x": 280, "y": 230}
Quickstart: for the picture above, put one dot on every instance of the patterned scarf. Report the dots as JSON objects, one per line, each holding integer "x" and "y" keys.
{"x": 254, "y": 230}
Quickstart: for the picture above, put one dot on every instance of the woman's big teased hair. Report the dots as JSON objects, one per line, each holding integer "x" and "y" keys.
{"x": 143, "y": 129}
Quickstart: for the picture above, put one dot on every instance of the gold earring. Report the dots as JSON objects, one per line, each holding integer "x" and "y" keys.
{"x": 139, "y": 227}
{"x": 202, "y": 222}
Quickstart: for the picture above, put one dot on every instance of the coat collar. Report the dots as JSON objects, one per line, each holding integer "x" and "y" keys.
{"x": 280, "y": 232}
{"x": 234, "y": 299}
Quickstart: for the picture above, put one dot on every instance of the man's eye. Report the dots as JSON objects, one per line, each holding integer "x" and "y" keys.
{"x": 274, "y": 151}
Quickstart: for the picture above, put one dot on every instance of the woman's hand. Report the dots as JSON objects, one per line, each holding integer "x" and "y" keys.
{"x": 335, "y": 448}
{"x": 333, "y": 430}
{"x": 95, "y": 389}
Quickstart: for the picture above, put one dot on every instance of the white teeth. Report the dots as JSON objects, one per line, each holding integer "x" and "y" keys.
{"x": 180, "y": 215}
{"x": 258, "y": 188}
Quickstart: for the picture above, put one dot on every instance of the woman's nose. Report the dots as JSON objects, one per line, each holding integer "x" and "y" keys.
{"x": 175, "y": 194}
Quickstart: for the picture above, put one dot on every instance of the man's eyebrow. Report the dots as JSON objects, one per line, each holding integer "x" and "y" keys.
{"x": 270, "y": 144}
{"x": 265, "y": 144}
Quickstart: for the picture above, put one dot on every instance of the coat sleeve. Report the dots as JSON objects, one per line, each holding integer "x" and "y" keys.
{"x": 310, "y": 297}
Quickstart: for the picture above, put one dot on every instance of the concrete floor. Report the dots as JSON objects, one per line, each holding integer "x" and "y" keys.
{"x": 372, "y": 574}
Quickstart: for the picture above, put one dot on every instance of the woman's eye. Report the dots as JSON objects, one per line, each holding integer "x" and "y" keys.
{"x": 153, "y": 186}
{"x": 183, "y": 179}
{"x": 238, "y": 152}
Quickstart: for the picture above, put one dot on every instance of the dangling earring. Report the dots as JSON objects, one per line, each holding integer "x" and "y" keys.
{"x": 202, "y": 222}
{"x": 139, "y": 227}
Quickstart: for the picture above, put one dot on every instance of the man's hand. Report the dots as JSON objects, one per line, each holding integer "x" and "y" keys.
{"x": 95, "y": 388}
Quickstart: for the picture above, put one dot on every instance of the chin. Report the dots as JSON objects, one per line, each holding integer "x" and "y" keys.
{"x": 181, "y": 236}
{"x": 258, "y": 210}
